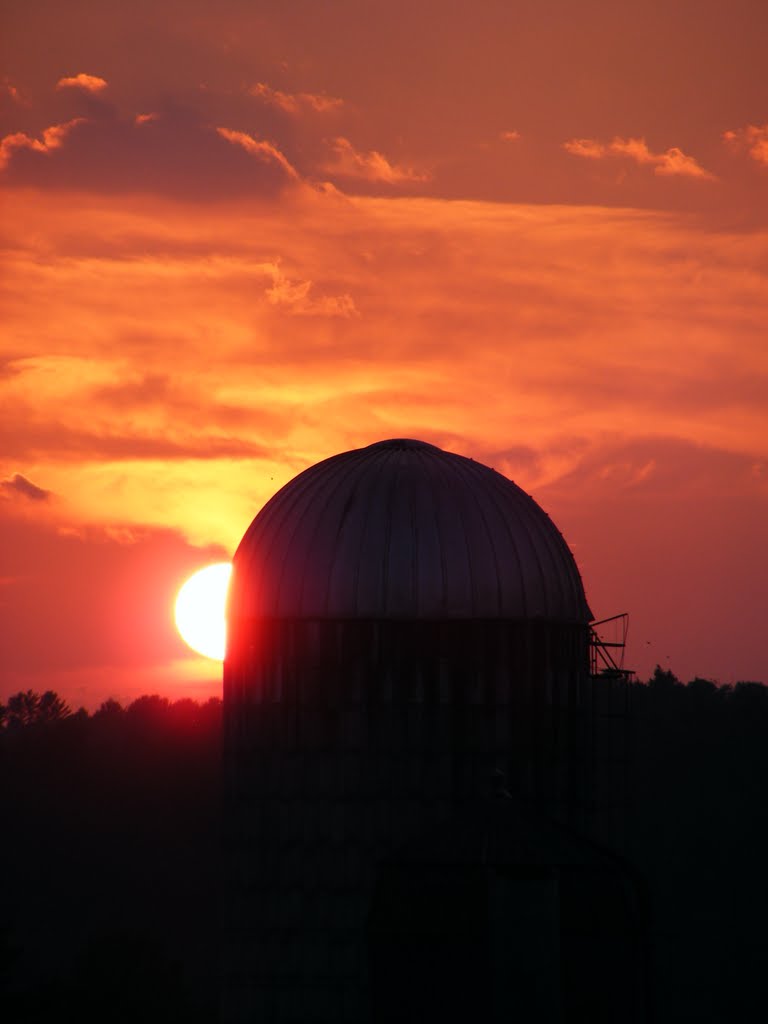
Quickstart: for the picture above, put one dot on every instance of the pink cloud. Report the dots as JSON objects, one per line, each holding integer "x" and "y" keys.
{"x": 295, "y": 103}
{"x": 53, "y": 138}
{"x": 91, "y": 83}
{"x": 509, "y": 136}
{"x": 672, "y": 162}
{"x": 753, "y": 138}
{"x": 295, "y": 297}
{"x": 371, "y": 166}
{"x": 636, "y": 149}
{"x": 589, "y": 148}
{"x": 7, "y": 87}
{"x": 675, "y": 162}
{"x": 265, "y": 151}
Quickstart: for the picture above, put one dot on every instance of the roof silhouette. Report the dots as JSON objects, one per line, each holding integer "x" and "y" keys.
{"x": 404, "y": 530}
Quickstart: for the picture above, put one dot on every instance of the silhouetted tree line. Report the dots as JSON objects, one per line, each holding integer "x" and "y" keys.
{"x": 110, "y": 860}
{"x": 28, "y": 708}
{"x": 698, "y": 830}
{"x": 112, "y": 834}
{"x": 742, "y": 696}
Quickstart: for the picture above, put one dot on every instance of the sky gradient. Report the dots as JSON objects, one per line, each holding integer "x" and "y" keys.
{"x": 240, "y": 237}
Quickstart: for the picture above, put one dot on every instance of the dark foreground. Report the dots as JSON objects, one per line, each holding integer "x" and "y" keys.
{"x": 111, "y": 846}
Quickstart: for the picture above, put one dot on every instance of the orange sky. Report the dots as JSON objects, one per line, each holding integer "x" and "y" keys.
{"x": 240, "y": 237}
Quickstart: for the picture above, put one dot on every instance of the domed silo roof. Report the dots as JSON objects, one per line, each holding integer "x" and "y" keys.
{"x": 404, "y": 530}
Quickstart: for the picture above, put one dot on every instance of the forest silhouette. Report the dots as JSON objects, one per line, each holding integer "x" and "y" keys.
{"x": 113, "y": 846}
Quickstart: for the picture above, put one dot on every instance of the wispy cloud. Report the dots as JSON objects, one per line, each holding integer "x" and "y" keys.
{"x": 589, "y": 148}
{"x": 176, "y": 362}
{"x": 475, "y": 323}
{"x": 259, "y": 148}
{"x": 295, "y": 103}
{"x": 296, "y": 298}
{"x": 509, "y": 136}
{"x": 371, "y": 166}
{"x": 91, "y": 83}
{"x": 753, "y": 138}
{"x": 7, "y": 87}
{"x": 672, "y": 162}
{"x": 53, "y": 138}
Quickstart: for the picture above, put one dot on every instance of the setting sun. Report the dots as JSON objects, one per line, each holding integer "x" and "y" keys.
{"x": 200, "y": 610}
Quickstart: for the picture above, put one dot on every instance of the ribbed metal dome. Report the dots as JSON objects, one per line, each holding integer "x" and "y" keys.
{"x": 404, "y": 530}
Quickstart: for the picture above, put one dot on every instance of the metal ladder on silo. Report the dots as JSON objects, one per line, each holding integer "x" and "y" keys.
{"x": 610, "y": 729}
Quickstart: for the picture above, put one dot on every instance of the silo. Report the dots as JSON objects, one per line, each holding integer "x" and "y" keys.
{"x": 408, "y": 638}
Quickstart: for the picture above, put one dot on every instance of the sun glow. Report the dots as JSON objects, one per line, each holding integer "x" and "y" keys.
{"x": 200, "y": 610}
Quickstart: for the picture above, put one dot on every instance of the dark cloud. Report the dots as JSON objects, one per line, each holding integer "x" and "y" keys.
{"x": 19, "y": 484}
{"x": 514, "y": 459}
{"x": 173, "y": 152}
{"x": 72, "y": 444}
{"x": 665, "y": 468}
{"x": 672, "y": 532}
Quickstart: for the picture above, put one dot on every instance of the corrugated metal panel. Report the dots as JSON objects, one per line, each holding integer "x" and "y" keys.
{"x": 404, "y": 530}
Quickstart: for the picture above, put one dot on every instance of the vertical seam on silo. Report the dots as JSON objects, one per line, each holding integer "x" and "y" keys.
{"x": 288, "y": 516}
{"x": 562, "y": 561}
{"x": 449, "y": 478}
{"x": 493, "y": 490}
{"x": 392, "y": 454}
{"x": 528, "y": 520}
{"x": 361, "y": 460}
{"x": 568, "y": 587}
{"x": 415, "y": 540}
{"x": 283, "y": 506}
{"x": 429, "y": 476}
{"x": 474, "y": 474}
{"x": 373, "y": 468}
{"x": 287, "y": 510}
{"x": 345, "y": 469}
{"x": 542, "y": 545}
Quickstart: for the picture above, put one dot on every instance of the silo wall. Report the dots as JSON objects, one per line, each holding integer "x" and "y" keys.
{"x": 346, "y": 739}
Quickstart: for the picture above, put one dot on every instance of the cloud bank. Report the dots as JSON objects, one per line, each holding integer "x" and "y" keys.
{"x": 672, "y": 162}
